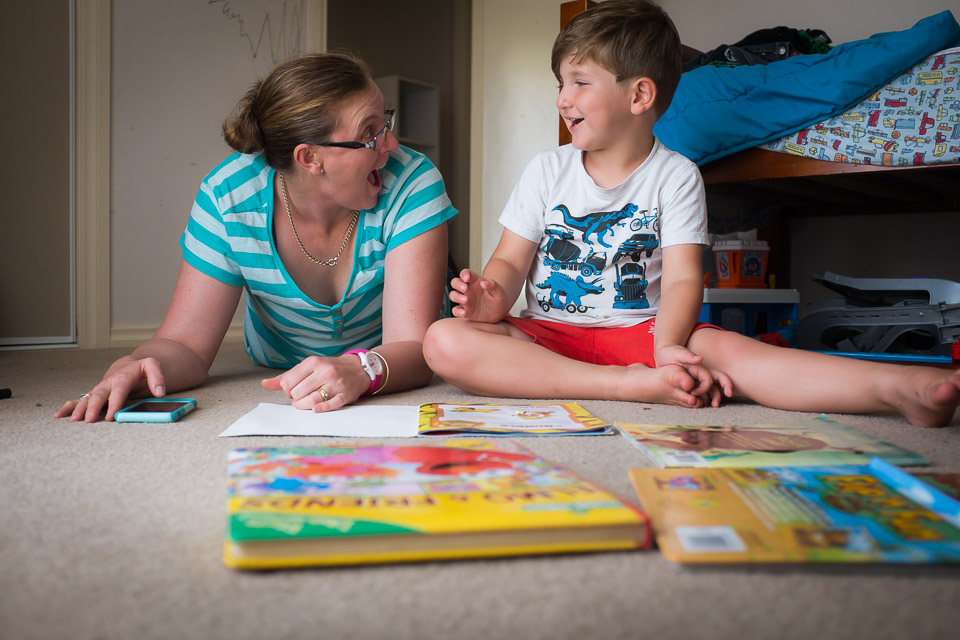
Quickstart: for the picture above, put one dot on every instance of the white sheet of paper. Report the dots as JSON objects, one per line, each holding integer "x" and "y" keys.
{"x": 374, "y": 421}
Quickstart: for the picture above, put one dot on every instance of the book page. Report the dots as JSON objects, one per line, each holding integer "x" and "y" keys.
{"x": 356, "y": 421}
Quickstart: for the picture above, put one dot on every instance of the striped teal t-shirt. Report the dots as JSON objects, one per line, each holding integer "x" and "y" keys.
{"x": 229, "y": 237}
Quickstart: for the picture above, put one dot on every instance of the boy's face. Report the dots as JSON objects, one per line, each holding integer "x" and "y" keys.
{"x": 595, "y": 107}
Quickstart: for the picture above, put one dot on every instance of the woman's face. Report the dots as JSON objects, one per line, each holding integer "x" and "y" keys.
{"x": 352, "y": 174}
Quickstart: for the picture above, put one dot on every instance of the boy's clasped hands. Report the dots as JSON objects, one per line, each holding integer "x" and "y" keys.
{"x": 704, "y": 386}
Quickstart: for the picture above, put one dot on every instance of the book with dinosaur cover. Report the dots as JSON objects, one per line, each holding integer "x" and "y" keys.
{"x": 819, "y": 441}
{"x": 875, "y": 513}
{"x": 493, "y": 419}
{"x": 354, "y": 504}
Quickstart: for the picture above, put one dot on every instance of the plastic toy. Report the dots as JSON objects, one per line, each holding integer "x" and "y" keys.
{"x": 907, "y": 317}
{"x": 741, "y": 263}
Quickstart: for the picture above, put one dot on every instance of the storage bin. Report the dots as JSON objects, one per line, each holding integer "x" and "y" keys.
{"x": 741, "y": 263}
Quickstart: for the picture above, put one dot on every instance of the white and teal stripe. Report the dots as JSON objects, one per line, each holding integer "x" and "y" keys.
{"x": 228, "y": 237}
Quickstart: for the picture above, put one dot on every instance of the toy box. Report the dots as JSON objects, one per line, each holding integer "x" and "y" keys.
{"x": 768, "y": 314}
{"x": 741, "y": 263}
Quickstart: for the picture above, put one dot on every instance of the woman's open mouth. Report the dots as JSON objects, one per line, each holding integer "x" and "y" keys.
{"x": 374, "y": 178}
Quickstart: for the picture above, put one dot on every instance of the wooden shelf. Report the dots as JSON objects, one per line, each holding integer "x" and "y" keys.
{"x": 417, "y": 106}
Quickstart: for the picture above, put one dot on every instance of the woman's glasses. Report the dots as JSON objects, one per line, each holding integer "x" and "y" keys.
{"x": 376, "y": 143}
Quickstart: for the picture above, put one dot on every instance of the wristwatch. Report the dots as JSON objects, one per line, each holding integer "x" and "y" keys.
{"x": 371, "y": 365}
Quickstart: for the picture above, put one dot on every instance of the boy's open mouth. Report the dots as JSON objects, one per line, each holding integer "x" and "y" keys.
{"x": 574, "y": 122}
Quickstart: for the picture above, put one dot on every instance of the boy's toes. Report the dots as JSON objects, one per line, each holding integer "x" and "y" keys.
{"x": 942, "y": 402}
{"x": 679, "y": 378}
{"x": 947, "y": 393}
{"x": 933, "y": 405}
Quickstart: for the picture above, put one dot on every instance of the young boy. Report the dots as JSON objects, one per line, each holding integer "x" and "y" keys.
{"x": 608, "y": 234}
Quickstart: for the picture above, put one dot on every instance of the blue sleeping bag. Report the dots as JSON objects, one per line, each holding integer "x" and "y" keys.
{"x": 717, "y": 111}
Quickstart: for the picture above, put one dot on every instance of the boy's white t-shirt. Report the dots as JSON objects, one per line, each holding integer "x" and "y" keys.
{"x": 599, "y": 257}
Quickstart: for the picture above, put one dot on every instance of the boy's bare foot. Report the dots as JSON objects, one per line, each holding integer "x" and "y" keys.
{"x": 927, "y": 397}
{"x": 669, "y": 384}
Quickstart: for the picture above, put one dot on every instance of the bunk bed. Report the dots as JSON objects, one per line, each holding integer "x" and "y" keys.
{"x": 778, "y": 173}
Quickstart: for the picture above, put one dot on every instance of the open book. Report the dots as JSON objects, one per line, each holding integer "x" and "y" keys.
{"x": 492, "y": 419}
{"x": 351, "y": 504}
{"x": 875, "y": 513}
{"x": 386, "y": 421}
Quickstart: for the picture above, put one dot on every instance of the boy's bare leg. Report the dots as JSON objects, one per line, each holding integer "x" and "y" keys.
{"x": 806, "y": 381}
{"x": 500, "y": 360}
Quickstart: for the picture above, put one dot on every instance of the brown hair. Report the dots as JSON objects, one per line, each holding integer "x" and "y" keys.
{"x": 296, "y": 103}
{"x": 628, "y": 38}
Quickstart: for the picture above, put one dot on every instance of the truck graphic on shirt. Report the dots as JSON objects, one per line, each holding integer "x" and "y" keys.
{"x": 635, "y": 245}
{"x": 631, "y": 286}
{"x": 561, "y": 253}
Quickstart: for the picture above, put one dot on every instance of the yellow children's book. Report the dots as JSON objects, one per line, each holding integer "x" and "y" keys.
{"x": 492, "y": 419}
{"x": 354, "y": 504}
{"x": 874, "y": 513}
{"x": 817, "y": 441}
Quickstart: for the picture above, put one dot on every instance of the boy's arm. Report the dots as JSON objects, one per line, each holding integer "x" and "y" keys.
{"x": 488, "y": 298}
{"x": 681, "y": 296}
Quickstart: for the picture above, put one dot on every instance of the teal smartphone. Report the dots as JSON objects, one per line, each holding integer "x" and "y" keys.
{"x": 156, "y": 410}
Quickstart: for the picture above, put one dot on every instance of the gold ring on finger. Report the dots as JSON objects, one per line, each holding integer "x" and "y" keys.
{"x": 323, "y": 393}
{"x": 85, "y": 395}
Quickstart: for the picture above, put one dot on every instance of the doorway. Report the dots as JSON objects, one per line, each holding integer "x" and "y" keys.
{"x": 37, "y": 285}
{"x": 425, "y": 41}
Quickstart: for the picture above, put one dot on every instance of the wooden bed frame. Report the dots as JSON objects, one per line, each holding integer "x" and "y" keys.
{"x": 823, "y": 187}
{"x": 807, "y": 186}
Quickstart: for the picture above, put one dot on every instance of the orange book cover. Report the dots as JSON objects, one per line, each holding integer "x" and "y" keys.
{"x": 874, "y": 513}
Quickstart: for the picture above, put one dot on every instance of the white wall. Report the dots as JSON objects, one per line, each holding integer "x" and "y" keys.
{"x": 179, "y": 68}
{"x": 514, "y": 112}
{"x": 518, "y": 117}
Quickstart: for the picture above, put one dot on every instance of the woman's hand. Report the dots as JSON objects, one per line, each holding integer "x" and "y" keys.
{"x": 127, "y": 375}
{"x": 322, "y": 384}
{"x": 186, "y": 344}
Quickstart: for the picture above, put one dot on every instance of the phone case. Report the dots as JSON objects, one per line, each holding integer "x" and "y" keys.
{"x": 127, "y": 415}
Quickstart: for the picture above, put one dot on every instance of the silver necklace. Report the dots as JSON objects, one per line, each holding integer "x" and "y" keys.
{"x": 332, "y": 262}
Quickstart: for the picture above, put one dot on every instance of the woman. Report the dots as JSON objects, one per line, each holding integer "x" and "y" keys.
{"x": 336, "y": 233}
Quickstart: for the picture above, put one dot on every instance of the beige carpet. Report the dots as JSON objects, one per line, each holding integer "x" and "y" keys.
{"x": 115, "y": 531}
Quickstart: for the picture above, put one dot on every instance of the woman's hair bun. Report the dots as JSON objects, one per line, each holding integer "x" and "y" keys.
{"x": 241, "y": 129}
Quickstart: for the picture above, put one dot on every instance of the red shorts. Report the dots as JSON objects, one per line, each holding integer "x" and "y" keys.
{"x": 596, "y": 345}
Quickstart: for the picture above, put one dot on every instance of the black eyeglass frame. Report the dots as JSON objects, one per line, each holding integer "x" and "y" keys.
{"x": 372, "y": 144}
